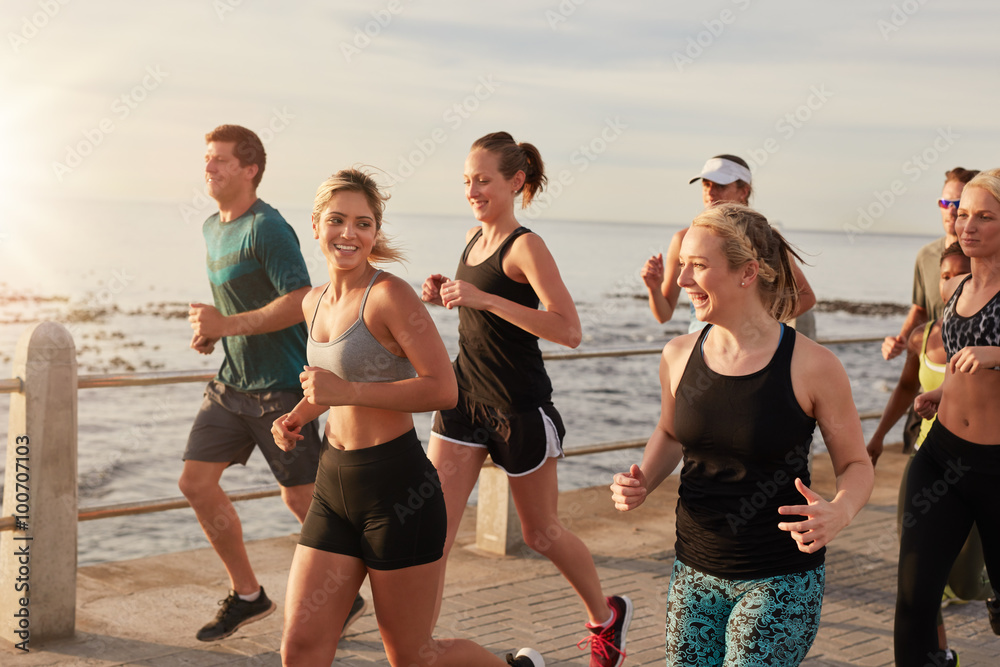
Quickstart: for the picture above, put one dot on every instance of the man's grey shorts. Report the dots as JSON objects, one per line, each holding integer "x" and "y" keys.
{"x": 231, "y": 422}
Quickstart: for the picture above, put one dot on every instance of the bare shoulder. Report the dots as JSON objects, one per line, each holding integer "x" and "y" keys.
{"x": 952, "y": 284}
{"x": 529, "y": 246}
{"x": 394, "y": 307}
{"x": 678, "y": 350}
{"x": 392, "y": 291}
{"x": 674, "y": 249}
{"x": 529, "y": 258}
{"x": 311, "y": 299}
{"x": 916, "y": 340}
{"x": 472, "y": 232}
{"x": 812, "y": 360}
{"x": 529, "y": 240}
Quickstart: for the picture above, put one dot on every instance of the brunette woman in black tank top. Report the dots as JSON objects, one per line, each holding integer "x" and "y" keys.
{"x": 739, "y": 403}
{"x": 953, "y": 476}
{"x": 504, "y": 406}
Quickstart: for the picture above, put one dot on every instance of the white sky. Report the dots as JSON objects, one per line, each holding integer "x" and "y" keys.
{"x": 888, "y": 82}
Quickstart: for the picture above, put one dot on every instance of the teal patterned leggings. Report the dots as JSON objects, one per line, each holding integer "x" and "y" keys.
{"x": 716, "y": 622}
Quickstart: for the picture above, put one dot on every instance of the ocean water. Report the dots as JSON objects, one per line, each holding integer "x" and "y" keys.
{"x": 120, "y": 276}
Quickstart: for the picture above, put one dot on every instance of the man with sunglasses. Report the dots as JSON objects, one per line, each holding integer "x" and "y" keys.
{"x": 927, "y": 304}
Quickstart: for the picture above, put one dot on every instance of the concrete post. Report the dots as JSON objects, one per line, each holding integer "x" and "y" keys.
{"x": 38, "y": 558}
{"x": 498, "y": 528}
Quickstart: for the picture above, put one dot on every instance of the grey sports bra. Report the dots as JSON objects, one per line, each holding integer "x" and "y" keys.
{"x": 356, "y": 355}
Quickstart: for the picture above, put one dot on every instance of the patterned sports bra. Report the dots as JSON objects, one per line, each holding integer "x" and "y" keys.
{"x": 982, "y": 328}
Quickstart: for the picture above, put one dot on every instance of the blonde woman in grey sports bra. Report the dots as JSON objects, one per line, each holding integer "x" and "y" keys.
{"x": 375, "y": 357}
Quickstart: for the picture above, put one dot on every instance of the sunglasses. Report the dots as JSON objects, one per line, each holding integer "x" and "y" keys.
{"x": 948, "y": 203}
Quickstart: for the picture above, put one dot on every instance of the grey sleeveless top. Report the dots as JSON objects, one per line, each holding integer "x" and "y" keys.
{"x": 356, "y": 355}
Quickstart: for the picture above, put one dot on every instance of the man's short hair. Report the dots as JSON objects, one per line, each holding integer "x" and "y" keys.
{"x": 249, "y": 149}
{"x": 960, "y": 174}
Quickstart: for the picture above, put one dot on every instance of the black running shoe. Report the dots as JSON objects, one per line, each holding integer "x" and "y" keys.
{"x": 993, "y": 607}
{"x": 357, "y": 611}
{"x": 235, "y": 613}
{"x": 526, "y": 657}
{"x": 607, "y": 645}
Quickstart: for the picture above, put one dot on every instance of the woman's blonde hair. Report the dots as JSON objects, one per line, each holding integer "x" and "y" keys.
{"x": 747, "y": 236}
{"x": 988, "y": 180}
{"x": 355, "y": 180}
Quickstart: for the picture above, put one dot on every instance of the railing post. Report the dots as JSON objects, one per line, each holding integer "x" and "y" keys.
{"x": 498, "y": 528}
{"x": 38, "y": 558}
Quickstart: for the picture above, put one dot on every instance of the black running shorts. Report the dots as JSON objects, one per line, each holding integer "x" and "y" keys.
{"x": 381, "y": 504}
{"x": 519, "y": 442}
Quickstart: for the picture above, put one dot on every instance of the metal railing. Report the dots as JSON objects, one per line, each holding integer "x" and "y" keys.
{"x": 100, "y": 381}
{"x": 16, "y": 385}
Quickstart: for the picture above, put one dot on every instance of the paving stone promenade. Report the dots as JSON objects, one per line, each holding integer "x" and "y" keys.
{"x": 145, "y": 612}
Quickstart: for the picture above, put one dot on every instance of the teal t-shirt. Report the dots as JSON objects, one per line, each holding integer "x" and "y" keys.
{"x": 253, "y": 260}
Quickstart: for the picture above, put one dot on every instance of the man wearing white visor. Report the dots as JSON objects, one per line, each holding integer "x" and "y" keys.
{"x": 724, "y": 178}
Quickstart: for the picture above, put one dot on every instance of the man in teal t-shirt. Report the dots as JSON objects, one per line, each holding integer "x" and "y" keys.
{"x": 258, "y": 279}
{"x": 256, "y": 271}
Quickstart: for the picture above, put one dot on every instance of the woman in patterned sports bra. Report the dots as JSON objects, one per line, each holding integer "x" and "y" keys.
{"x": 740, "y": 402}
{"x": 375, "y": 357}
{"x": 924, "y": 369}
{"x": 953, "y": 477}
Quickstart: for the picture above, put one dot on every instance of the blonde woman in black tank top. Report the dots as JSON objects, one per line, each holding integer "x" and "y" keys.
{"x": 739, "y": 404}
{"x": 359, "y": 524}
{"x": 504, "y": 395}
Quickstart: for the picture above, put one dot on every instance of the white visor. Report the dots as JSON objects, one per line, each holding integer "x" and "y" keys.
{"x": 722, "y": 171}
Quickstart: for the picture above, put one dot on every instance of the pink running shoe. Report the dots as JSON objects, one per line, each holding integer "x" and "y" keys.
{"x": 607, "y": 645}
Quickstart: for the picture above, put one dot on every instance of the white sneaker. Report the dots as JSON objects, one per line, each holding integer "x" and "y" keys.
{"x": 526, "y": 657}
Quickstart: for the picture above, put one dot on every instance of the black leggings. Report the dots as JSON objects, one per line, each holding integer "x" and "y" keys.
{"x": 952, "y": 484}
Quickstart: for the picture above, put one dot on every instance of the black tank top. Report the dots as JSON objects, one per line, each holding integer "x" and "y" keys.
{"x": 745, "y": 440}
{"x": 499, "y": 363}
